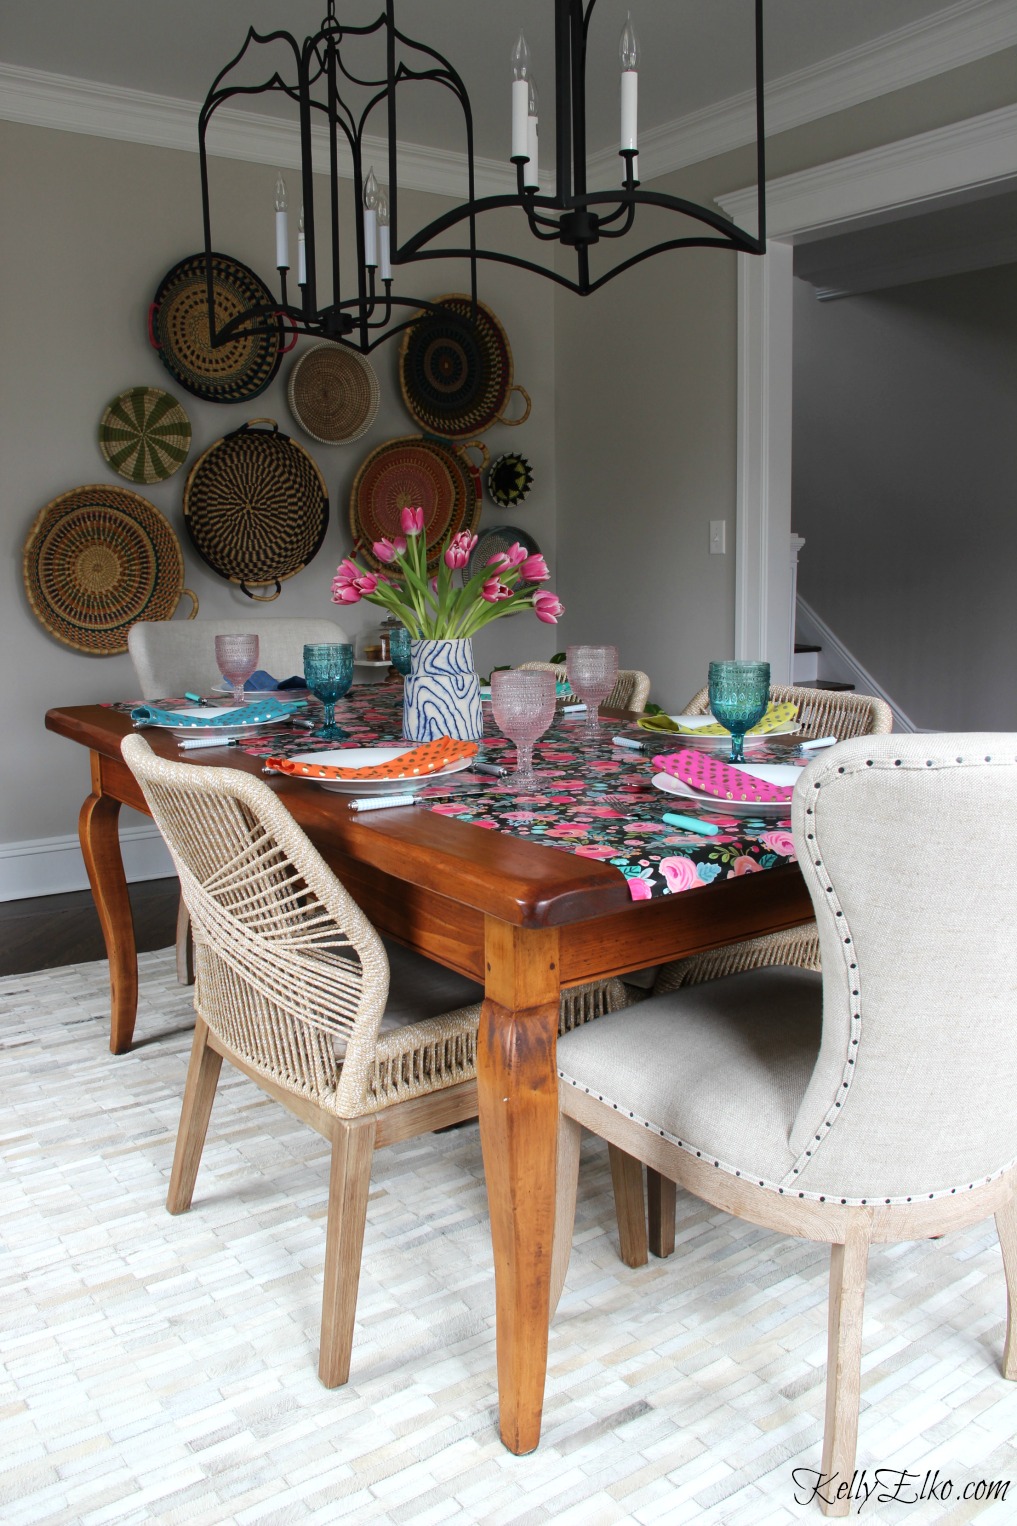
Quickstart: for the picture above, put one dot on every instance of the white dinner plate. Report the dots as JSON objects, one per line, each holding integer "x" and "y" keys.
{"x": 252, "y": 696}
{"x": 370, "y": 757}
{"x": 773, "y": 773}
{"x": 220, "y": 733}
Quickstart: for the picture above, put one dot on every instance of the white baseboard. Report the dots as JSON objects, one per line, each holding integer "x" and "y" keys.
{"x": 838, "y": 663}
{"x": 53, "y": 865}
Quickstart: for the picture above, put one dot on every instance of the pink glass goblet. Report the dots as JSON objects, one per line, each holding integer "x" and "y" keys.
{"x": 236, "y": 657}
{"x": 592, "y": 673}
{"x": 523, "y": 704}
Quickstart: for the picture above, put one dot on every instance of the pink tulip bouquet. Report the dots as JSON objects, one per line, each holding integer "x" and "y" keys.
{"x": 431, "y": 607}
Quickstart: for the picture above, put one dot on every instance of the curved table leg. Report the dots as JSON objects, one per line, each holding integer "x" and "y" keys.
{"x": 518, "y": 1098}
{"x": 100, "y": 848}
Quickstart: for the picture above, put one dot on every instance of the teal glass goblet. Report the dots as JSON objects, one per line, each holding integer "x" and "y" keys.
{"x": 399, "y": 640}
{"x": 739, "y": 695}
{"x": 328, "y": 673}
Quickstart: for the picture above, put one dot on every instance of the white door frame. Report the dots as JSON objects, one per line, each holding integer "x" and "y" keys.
{"x": 845, "y": 193}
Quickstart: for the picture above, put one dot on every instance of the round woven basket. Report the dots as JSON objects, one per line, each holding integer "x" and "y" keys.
{"x": 415, "y": 472}
{"x": 495, "y": 540}
{"x": 178, "y": 328}
{"x": 96, "y": 560}
{"x": 509, "y": 479}
{"x": 256, "y": 507}
{"x": 144, "y": 434}
{"x": 455, "y": 370}
{"x": 333, "y": 394}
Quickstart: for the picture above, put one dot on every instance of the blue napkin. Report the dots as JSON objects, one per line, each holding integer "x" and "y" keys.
{"x": 259, "y": 680}
{"x": 268, "y": 709}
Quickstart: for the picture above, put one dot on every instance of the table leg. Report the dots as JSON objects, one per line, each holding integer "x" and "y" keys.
{"x": 518, "y": 1097}
{"x": 100, "y": 848}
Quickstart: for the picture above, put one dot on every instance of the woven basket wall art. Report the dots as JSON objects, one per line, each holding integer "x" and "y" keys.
{"x": 415, "y": 472}
{"x": 455, "y": 370}
{"x": 497, "y": 539}
{"x": 509, "y": 479}
{"x": 256, "y": 507}
{"x": 178, "y": 329}
{"x": 96, "y": 560}
{"x": 144, "y": 434}
{"x": 333, "y": 394}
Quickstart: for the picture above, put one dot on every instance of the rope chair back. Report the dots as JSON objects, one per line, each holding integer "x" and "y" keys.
{"x": 287, "y": 965}
{"x": 631, "y": 690}
{"x": 822, "y": 712}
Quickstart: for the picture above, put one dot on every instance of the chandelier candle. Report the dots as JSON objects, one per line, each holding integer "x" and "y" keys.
{"x": 282, "y": 236}
{"x": 628, "y": 50}
{"x": 520, "y": 98}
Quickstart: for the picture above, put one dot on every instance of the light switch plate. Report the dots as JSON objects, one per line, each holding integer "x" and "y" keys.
{"x": 718, "y": 537}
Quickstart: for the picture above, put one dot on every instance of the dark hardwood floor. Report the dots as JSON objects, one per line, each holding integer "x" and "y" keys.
{"x": 53, "y": 930}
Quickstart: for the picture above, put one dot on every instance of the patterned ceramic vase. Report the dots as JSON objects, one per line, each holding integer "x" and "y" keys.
{"x": 441, "y": 695}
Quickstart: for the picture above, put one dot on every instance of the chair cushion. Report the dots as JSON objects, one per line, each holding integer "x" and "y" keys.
{"x": 730, "y": 1063}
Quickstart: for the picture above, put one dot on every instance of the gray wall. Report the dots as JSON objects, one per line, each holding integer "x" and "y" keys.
{"x": 905, "y": 464}
{"x": 89, "y": 228}
{"x": 646, "y": 383}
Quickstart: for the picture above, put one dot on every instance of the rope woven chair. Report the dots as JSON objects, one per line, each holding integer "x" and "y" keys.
{"x": 292, "y": 985}
{"x": 870, "y": 1105}
{"x": 821, "y": 713}
{"x": 172, "y": 656}
{"x": 631, "y": 690}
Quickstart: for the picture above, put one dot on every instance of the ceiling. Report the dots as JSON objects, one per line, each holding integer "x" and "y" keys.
{"x": 695, "y": 53}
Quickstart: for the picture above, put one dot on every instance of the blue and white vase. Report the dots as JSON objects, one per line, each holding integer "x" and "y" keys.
{"x": 441, "y": 695}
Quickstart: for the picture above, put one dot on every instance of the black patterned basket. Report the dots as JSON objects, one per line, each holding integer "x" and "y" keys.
{"x": 256, "y": 507}
{"x": 455, "y": 370}
{"x": 178, "y": 329}
{"x": 96, "y": 560}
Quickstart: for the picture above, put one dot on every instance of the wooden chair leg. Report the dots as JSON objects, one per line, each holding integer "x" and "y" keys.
{"x": 185, "y": 946}
{"x": 1006, "y": 1229}
{"x": 848, "y": 1265}
{"x": 629, "y": 1205}
{"x": 199, "y": 1094}
{"x": 349, "y": 1184}
{"x": 661, "y": 1198}
{"x": 566, "y": 1186}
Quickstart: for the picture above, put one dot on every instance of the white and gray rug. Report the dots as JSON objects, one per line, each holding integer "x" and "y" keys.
{"x": 161, "y": 1369}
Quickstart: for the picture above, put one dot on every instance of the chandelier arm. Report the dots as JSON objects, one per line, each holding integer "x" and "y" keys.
{"x": 626, "y": 209}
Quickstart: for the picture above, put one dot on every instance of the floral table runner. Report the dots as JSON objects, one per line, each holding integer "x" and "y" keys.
{"x": 594, "y": 799}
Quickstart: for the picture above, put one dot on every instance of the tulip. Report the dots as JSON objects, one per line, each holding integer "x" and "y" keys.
{"x": 534, "y": 569}
{"x": 367, "y": 582}
{"x": 459, "y": 549}
{"x": 347, "y": 572}
{"x": 548, "y": 607}
{"x": 387, "y": 550}
{"x": 498, "y": 561}
{"x": 411, "y": 521}
{"x": 516, "y": 554}
{"x": 494, "y": 590}
{"x": 345, "y": 593}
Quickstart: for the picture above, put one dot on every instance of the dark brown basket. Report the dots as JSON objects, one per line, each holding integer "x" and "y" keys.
{"x": 455, "y": 370}
{"x": 256, "y": 507}
{"x": 96, "y": 560}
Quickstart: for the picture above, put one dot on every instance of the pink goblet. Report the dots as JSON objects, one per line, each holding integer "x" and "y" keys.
{"x": 592, "y": 673}
{"x": 236, "y": 657}
{"x": 523, "y": 704}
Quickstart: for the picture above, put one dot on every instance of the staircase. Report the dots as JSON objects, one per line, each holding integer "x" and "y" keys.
{"x": 805, "y": 670}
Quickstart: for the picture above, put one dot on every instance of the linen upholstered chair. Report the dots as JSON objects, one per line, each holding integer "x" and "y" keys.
{"x": 871, "y": 1103}
{"x": 821, "y": 713}
{"x": 630, "y": 692}
{"x": 171, "y": 656}
{"x": 293, "y": 988}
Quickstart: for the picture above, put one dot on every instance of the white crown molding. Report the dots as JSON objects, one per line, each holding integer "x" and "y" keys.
{"x": 53, "y": 865}
{"x": 960, "y": 34}
{"x": 38, "y": 99}
{"x": 978, "y": 152}
{"x": 956, "y": 258}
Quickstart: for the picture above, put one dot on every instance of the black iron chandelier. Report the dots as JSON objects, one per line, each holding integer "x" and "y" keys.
{"x": 358, "y": 307}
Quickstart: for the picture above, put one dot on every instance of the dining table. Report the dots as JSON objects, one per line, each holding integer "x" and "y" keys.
{"x": 495, "y": 896}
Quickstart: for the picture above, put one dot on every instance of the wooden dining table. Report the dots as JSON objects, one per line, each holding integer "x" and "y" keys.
{"x": 521, "y": 918}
